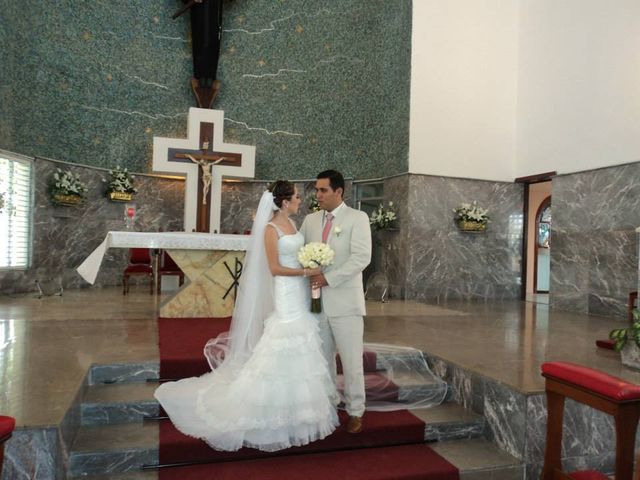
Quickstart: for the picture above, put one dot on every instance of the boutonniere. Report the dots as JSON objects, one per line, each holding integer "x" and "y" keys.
{"x": 337, "y": 231}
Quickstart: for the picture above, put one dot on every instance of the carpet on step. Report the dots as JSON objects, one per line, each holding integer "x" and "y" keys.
{"x": 407, "y": 462}
{"x": 182, "y": 341}
{"x": 379, "y": 429}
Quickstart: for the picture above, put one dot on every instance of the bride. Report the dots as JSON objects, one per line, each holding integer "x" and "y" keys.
{"x": 270, "y": 387}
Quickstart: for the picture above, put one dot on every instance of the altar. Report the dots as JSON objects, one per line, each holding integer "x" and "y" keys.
{"x": 212, "y": 264}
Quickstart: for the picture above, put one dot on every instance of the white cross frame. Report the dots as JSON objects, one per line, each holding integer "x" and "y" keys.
{"x": 162, "y": 164}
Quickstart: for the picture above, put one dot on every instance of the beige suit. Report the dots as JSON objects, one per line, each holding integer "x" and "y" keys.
{"x": 341, "y": 322}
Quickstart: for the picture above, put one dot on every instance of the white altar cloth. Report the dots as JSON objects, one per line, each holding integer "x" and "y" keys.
{"x": 165, "y": 240}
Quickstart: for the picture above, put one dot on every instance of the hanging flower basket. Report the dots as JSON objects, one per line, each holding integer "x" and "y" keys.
{"x": 471, "y": 218}
{"x": 469, "y": 226}
{"x": 120, "y": 196}
{"x": 120, "y": 185}
{"x": 66, "y": 188}
{"x": 67, "y": 200}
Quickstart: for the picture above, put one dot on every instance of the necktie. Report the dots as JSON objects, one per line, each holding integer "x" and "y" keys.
{"x": 327, "y": 227}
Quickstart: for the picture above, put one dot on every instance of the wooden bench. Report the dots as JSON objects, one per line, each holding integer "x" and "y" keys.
{"x": 603, "y": 392}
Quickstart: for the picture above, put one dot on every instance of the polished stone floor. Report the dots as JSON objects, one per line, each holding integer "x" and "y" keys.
{"x": 48, "y": 344}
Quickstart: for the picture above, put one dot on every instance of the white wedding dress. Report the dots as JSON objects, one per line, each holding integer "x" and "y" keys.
{"x": 283, "y": 395}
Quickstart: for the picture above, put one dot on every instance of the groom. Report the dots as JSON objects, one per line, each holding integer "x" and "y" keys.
{"x": 341, "y": 325}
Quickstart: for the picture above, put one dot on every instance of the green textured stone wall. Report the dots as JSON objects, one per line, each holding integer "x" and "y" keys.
{"x": 312, "y": 84}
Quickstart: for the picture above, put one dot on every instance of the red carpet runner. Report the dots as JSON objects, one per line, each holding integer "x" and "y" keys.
{"x": 389, "y": 447}
{"x": 182, "y": 341}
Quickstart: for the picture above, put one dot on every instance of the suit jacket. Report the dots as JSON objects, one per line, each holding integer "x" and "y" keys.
{"x": 344, "y": 296}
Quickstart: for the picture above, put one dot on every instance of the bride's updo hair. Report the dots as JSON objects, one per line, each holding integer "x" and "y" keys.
{"x": 281, "y": 190}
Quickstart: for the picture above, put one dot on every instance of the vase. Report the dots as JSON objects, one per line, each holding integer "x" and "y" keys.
{"x": 630, "y": 355}
{"x": 469, "y": 226}
{"x": 120, "y": 196}
{"x": 67, "y": 200}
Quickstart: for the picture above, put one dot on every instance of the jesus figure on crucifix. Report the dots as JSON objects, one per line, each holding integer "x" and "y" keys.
{"x": 205, "y": 165}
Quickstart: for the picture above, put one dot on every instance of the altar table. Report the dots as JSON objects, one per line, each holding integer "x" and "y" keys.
{"x": 212, "y": 265}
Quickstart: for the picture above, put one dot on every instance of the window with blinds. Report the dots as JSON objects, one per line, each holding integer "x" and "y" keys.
{"x": 15, "y": 212}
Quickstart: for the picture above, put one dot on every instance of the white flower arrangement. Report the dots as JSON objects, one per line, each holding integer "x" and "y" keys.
{"x": 312, "y": 203}
{"x": 383, "y": 217}
{"x": 2, "y": 201}
{"x": 315, "y": 255}
{"x": 67, "y": 183}
{"x": 120, "y": 181}
{"x": 470, "y": 212}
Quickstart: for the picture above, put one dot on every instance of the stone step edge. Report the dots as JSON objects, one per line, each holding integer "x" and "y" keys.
{"x": 466, "y": 473}
{"x": 141, "y": 371}
{"x": 117, "y": 412}
{"x": 127, "y": 459}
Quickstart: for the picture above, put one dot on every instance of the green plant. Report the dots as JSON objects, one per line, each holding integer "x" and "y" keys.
{"x": 622, "y": 335}
{"x": 67, "y": 183}
{"x": 120, "y": 181}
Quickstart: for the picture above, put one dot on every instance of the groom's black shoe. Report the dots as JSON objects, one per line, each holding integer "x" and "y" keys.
{"x": 354, "y": 425}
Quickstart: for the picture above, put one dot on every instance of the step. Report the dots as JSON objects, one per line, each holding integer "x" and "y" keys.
{"x": 123, "y": 372}
{"x": 479, "y": 459}
{"x": 131, "y": 402}
{"x": 140, "y": 372}
{"x": 128, "y": 446}
{"x": 476, "y": 459}
{"x": 118, "y": 403}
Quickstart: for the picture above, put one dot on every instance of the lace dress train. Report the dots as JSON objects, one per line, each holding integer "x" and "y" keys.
{"x": 282, "y": 397}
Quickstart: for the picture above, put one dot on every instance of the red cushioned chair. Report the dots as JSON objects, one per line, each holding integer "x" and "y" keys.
{"x": 168, "y": 267}
{"x": 139, "y": 264}
{"x": 7, "y": 424}
{"x": 603, "y": 392}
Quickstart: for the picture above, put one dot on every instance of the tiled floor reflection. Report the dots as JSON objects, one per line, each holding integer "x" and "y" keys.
{"x": 49, "y": 344}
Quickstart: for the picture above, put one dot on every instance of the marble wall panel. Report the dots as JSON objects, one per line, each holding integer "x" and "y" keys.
{"x": 442, "y": 262}
{"x": 33, "y": 454}
{"x": 506, "y": 412}
{"x": 594, "y": 259}
{"x": 306, "y": 82}
{"x": 393, "y": 244}
{"x": 64, "y": 236}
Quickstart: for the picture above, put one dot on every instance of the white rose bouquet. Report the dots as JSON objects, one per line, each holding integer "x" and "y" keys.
{"x": 316, "y": 255}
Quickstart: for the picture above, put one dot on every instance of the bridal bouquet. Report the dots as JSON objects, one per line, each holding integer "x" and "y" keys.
{"x": 315, "y": 255}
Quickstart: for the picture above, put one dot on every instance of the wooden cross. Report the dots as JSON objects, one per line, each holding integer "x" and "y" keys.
{"x": 203, "y": 158}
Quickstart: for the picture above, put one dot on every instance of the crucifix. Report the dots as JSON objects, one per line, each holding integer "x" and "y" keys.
{"x": 204, "y": 159}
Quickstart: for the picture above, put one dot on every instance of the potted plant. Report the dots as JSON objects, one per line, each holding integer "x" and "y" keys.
{"x": 120, "y": 185}
{"x": 627, "y": 342}
{"x": 383, "y": 218}
{"x": 471, "y": 218}
{"x": 66, "y": 188}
